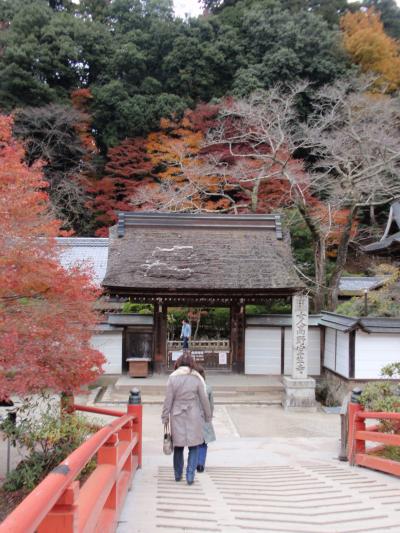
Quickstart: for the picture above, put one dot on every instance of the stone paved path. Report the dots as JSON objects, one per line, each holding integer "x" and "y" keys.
{"x": 269, "y": 471}
{"x": 312, "y": 497}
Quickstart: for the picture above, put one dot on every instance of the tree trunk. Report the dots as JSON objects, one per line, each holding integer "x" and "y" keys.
{"x": 319, "y": 241}
{"x": 254, "y": 195}
{"x": 372, "y": 217}
{"x": 341, "y": 259}
{"x": 320, "y": 273}
{"x": 197, "y": 325}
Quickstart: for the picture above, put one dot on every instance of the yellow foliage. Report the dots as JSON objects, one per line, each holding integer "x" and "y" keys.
{"x": 173, "y": 148}
{"x": 370, "y": 47}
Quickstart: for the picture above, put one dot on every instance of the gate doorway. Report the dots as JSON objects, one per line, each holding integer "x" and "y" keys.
{"x": 210, "y": 342}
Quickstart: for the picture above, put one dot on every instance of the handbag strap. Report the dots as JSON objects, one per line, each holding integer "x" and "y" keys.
{"x": 166, "y": 428}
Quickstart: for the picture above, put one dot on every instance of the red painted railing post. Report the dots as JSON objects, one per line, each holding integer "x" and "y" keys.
{"x": 355, "y": 424}
{"x": 63, "y": 518}
{"x": 126, "y": 434}
{"x": 108, "y": 455}
{"x": 137, "y": 411}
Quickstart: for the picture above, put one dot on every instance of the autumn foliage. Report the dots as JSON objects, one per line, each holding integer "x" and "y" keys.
{"x": 370, "y": 47}
{"x": 80, "y": 100}
{"x": 46, "y": 316}
{"x": 152, "y": 173}
{"x": 128, "y": 168}
{"x": 176, "y": 169}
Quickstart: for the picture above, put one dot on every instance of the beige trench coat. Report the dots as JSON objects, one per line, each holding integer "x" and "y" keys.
{"x": 187, "y": 405}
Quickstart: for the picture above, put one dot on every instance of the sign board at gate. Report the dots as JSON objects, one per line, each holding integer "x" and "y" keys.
{"x": 222, "y": 358}
{"x": 176, "y": 355}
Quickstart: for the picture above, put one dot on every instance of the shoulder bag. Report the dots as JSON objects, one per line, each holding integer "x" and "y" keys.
{"x": 167, "y": 441}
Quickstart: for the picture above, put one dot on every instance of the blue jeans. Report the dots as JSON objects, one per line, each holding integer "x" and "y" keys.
{"x": 191, "y": 463}
{"x": 201, "y": 459}
{"x": 185, "y": 341}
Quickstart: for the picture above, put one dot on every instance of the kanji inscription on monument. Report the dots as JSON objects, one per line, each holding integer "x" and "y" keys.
{"x": 300, "y": 335}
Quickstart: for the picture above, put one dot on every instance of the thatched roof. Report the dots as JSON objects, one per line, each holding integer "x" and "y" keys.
{"x": 176, "y": 252}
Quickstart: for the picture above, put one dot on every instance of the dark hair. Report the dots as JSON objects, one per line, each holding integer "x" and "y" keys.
{"x": 186, "y": 360}
{"x": 201, "y": 371}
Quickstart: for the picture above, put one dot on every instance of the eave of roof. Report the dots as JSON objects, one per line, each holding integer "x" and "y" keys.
{"x": 356, "y": 285}
{"x": 387, "y": 242}
{"x": 367, "y": 324}
{"x": 380, "y": 324}
{"x": 339, "y": 322}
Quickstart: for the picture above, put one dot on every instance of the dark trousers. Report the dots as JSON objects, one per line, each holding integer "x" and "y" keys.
{"x": 201, "y": 459}
{"x": 185, "y": 342}
{"x": 191, "y": 462}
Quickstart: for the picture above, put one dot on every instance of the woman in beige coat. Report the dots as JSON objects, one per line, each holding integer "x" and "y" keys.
{"x": 187, "y": 406}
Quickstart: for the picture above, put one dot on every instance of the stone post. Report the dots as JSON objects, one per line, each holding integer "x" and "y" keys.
{"x": 299, "y": 388}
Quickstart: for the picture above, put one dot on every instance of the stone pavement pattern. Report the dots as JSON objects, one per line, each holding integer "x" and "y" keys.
{"x": 269, "y": 471}
{"x": 308, "y": 498}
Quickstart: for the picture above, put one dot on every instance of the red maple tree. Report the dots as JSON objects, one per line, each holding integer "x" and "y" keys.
{"x": 128, "y": 167}
{"x": 46, "y": 311}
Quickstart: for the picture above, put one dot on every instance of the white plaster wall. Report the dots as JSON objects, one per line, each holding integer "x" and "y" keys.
{"x": 110, "y": 344}
{"x": 330, "y": 348}
{"x": 342, "y": 354}
{"x": 263, "y": 351}
{"x": 314, "y": 351}
{"x": 373, "y": 351}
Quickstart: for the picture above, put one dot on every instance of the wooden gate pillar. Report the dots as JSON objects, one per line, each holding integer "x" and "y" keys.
{"x": 237, "y": 337}
{"x": 160, "y": 337}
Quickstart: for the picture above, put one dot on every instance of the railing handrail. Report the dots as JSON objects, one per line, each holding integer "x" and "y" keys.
{"x": 34, "y": 508}
{"x": 378, "y": 415}
{"x": 359, "y": 433}
{"x": 97, "y": 410}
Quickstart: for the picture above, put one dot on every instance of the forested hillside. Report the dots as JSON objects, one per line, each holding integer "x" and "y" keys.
{"x": 257, "y": 105}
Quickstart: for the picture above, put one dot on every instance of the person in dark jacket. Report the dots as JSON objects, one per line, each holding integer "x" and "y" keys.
{"x": 187, "y": 406}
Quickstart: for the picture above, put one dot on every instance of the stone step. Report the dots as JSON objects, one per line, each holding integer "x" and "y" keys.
{"x": 218, "y": 392}
{"x": 110, "y": 395}
{"x": 227, "y": 400}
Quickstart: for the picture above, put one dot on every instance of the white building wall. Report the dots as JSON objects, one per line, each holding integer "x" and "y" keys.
{"x": 373, "y": 351}
{"x": 314, "y": 351}
{"x": 330, "y": 348}
{"x": 263, "y": 350}
{"x": 342, "y": 354}
{"x": 109, "y": 343}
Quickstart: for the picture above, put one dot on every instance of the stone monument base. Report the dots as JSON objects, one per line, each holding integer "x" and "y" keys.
{"x": 299, "y": 394}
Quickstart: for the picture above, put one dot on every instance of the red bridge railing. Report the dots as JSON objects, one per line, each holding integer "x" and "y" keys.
{"x": 59, "y": 505}
{"x": 360, "y": 433}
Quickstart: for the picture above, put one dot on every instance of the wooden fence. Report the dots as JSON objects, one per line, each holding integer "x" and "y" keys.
{"x": 60, "y": 505}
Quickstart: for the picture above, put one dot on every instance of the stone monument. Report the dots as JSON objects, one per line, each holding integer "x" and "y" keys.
{"x": 299, "y": 388}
